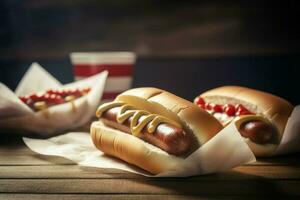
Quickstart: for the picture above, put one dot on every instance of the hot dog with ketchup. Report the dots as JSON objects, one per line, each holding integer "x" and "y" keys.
{"x": 260, "y": 117}
{"x": 151, "y": 128}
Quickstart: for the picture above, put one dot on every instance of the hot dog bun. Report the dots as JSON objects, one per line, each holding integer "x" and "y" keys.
{"x": 273, "y": 108}
{"x": 142, "y": 154}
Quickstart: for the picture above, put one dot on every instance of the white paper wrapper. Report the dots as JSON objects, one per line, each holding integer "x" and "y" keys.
{"x": 14, "y": 114}
{"x": 290, "y": 141}
{"x": 226, "y": 150}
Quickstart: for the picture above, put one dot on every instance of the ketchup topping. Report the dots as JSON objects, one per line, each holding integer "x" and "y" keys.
{"x": 228, "y": 109}
{"x": 53, "y": 97}
{"x": 200, "y": 102}
{"x": 218, "y": 108}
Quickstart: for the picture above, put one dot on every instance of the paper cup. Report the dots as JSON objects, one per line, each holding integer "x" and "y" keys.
{"x": 120, "y": 66}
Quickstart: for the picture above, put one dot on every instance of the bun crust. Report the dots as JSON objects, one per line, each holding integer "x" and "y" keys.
{"x": 142, "y": 154}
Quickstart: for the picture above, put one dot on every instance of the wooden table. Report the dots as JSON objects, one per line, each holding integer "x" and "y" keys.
{"x": 28, "y": 175}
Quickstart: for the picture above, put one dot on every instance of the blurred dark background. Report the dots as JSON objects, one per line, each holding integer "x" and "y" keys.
{"x": 186, "y": 47}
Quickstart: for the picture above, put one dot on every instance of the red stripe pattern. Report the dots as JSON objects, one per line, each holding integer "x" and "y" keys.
{"x": 110, "y": 95}
{"x": 113, "y": 69}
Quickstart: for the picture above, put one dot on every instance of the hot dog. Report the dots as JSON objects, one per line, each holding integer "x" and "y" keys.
{"x": 260, "y": 117}
{"x": 151, "y": 128}
{"x": 166, "y": 136}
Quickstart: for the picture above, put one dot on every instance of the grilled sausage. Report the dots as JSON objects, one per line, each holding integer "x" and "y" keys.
{"x": 257, "y": 131}
{"x": 167, "y": 137}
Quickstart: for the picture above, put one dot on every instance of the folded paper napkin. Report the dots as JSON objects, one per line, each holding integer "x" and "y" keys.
{"x": 16, "y": 115}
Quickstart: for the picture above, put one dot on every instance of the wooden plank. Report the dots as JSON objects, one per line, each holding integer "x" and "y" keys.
{"x": 31, "y": 158}
{"x": 80, "y": 172}
{"x": 120, "y": 197}
{"x": 117, "y": 197}
{"x": 293, "y": 159}
{"x": 153, "y": 186}
{"x": 62, "y": 171}
{"x": 268, "y": 172}
{"x": 15, "y": 150}
{"x": 22, "y": 155}
{"x": 95, "y": 197}
{"x": 36, "y": 159}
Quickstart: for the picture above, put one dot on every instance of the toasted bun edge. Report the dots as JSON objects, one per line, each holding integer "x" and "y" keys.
{"x": 131, "y": 149}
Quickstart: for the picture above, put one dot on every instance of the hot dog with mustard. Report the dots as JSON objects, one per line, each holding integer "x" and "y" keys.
{"x": 152, "y": 128}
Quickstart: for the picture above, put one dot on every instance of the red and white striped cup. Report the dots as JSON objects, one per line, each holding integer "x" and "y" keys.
{"x": 118, "y": 64}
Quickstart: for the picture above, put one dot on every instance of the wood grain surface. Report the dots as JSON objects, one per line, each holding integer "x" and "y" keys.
{"x": 27, "y": 175}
